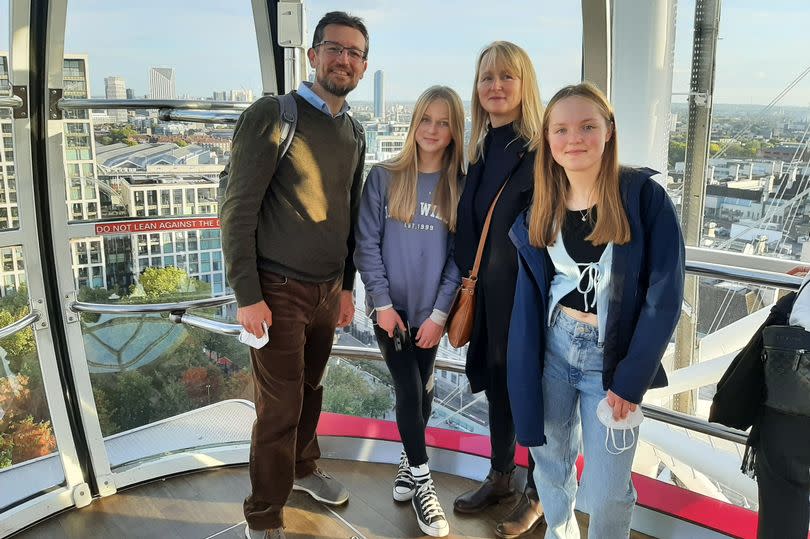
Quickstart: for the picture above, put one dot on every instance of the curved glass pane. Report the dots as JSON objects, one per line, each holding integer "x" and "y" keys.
{"x": 743, "y": 186}
{"x": 123, "y": 164}
{"x": 9, "y": 212}
{"x": 160, "y": 387}
{"x": 757, "y": 172}
{"x": 28, "y": 458}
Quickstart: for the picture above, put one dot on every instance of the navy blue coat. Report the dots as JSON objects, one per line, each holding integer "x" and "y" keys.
{"x": 646, "y": 292}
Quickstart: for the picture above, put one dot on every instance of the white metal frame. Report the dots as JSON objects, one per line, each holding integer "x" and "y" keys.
{"x": 643, "y": 49}
{"x": 264, "y": 40}
{"x": 57, "y": 14}
{"x": 110, "y": 480}
{"x": 75, "y": 491}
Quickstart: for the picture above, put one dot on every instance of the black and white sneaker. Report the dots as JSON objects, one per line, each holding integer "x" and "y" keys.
{"x": 429, "y": 513}
{"x": 404, "y": 485}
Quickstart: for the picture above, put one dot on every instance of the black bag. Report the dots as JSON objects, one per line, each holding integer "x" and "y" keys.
{"x": 786, "y": 354}
{"x": 741, "y": 390}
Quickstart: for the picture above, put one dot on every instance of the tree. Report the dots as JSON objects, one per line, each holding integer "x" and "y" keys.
{"x": 174, "y": 399}
{"x": 170, "y": 284}
{"x": 17, "y": 346}
{"x": 203, "y": 384}
{"x": 104, "y": 412}
{"x": 131, "y": 400}
{"x": 124, "y": 135}
{"x": 162, "y": 282}
{"x": 677, "y": 152}
{"x": 29, "y": 439}
{"x": 239, "y": 386}
{"x": 23, "y": 436}
{"x": 348, "y": 392}
{"x": 223, "y": 346}
{"x": 93, "y": 295}
{"x": 16, "y": 301}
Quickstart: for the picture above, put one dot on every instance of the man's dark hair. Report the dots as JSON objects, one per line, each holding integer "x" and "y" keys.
{"x": 342, "y": 18}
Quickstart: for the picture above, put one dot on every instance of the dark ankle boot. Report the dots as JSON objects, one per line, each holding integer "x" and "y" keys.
{"x": 493, "y": 489}
{"x": 524, "y": 517}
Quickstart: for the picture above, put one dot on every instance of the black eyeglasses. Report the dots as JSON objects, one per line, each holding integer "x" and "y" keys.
{"x": 336, "y": 50}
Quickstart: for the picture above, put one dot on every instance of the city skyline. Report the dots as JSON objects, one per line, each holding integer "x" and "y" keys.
{"x": 759, "y": 53}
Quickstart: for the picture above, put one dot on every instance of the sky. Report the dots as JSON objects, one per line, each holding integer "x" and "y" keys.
{"x": 212, "y": 43}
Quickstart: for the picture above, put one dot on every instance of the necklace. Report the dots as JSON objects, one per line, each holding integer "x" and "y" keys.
{"x": 584, "y": 214}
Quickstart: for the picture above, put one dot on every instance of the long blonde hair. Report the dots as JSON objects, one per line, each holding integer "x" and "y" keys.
{"x": 551, "y": 183}
{"x": 404, "y": 172}
{"x": 515, "y": 61}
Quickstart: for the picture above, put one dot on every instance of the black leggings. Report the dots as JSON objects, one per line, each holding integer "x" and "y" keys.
{"x": 412, "y": 373}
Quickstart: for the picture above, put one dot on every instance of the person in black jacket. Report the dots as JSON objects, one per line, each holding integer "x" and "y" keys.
{"x": 506, "y": 122}
{"x": 778, "y": 448}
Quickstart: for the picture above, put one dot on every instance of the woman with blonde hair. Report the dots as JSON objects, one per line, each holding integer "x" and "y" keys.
{"x": 506, "y": 122}
{"x": 598, "y": 297}
{"x": 404, "y": 256}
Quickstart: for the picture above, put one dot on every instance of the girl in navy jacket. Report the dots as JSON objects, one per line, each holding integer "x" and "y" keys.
{"x": 599, "y": 291}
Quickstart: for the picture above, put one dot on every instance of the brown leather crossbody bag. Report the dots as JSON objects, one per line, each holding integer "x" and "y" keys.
{"x": 462, "y": 312}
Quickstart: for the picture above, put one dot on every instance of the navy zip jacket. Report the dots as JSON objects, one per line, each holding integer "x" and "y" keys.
{"x": 645, "y": 291}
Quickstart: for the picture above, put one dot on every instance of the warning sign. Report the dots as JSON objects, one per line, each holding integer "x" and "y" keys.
{"x": 799, "y": 271}
{"x": 156, "y": 225}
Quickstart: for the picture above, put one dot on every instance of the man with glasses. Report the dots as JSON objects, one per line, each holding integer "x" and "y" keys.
{"x": 287, "y": 236}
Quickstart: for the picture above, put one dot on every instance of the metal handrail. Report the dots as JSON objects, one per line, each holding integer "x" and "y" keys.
{"x": 114, "y": 308}
{"x": 198, "y": 116}
{"x": 656, "y": 413}
{"x": 176, "y": 104}
{"x": 19, "y": 325}
{"x": 651, "y": 411}
{"x": 214, "y": 326}
{"x": 11, "y": 101}
{"x": 743, "y": 275}
{"x": 689, "y": 422}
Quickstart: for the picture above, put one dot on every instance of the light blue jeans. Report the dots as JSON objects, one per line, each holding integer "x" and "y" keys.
{"x": 572, "y": 388}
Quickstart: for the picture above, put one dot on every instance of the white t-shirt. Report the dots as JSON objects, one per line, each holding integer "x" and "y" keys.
{"x": 800, "y": 314}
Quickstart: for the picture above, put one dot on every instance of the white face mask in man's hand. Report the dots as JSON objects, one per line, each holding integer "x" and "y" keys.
{"x": 634, "y": 418}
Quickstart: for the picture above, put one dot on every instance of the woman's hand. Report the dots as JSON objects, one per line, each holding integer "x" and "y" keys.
{"x": 388, "y": 319}
{"x": 620, "y": 406}
{"x": 429, "y": 334}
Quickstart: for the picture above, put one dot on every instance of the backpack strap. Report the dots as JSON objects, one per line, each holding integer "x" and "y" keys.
{"x": 358, "y": 128}
{"x": 288, "y": 114}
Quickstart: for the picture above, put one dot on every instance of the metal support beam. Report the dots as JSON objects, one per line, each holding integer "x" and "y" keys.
{"x": 701, "y": 89}
{"x": 643, "y": 48}
{"x": 596, "y": 38}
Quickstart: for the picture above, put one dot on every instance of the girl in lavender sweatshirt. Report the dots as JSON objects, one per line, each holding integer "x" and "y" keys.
{"x": 404, "y": 253}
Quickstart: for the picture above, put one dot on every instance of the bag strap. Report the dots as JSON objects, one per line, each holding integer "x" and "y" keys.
{"x": 484, "y": 233}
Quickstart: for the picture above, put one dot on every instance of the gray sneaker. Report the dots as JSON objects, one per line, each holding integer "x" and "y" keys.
{"x": 322, "y": 487}
{"x": 275, "y": 533}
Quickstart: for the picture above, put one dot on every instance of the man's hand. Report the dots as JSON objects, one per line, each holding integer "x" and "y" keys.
{"x": 346, "y": 309}
{"x": 388, "y": 319}
{"x": 252, "y": 316}
{"x": 429, "y": 334}
{"x": 620, "y": 406}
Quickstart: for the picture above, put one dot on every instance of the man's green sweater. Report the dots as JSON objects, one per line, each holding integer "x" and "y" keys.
{"x": 295, "y": 217}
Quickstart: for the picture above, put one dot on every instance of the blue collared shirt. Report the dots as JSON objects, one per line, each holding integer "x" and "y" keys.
{"x": 305, "y": 91}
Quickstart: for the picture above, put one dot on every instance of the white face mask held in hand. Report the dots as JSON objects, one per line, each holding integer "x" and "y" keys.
{"x": 605, "y": 414}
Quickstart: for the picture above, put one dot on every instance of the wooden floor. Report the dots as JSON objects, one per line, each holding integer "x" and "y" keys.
{"x": 208, "y": 505}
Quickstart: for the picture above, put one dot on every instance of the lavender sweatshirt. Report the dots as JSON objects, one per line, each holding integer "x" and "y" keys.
{"x": 407, "y": 265}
